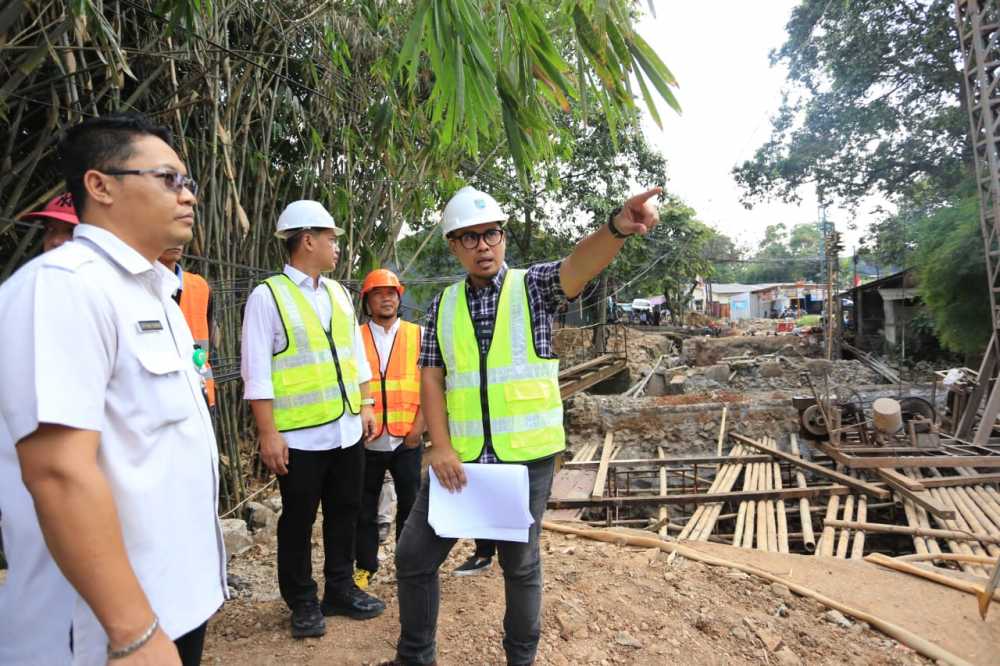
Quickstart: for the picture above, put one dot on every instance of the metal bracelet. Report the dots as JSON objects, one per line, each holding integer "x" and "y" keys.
{"x": 129, "y": 649}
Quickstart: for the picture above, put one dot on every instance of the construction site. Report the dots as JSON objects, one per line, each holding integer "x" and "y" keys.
{"x": 782, "y": 444}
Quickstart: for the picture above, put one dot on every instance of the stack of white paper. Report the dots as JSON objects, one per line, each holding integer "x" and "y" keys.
{"x": 493, "y": 505}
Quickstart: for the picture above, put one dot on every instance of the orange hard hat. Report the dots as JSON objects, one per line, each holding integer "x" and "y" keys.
{"x": 381, "y": 278}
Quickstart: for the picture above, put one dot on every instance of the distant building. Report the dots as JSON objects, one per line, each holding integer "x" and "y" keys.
{"x": 735, "y": 301}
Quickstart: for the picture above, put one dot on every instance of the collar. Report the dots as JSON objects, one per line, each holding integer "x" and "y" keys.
{"x": 116, "y": 249}
{"x": 495, "y": 283}
{"x": 162, "y": 279}
{"x": 298, "y": 277}
{"x": 378, "y": 327}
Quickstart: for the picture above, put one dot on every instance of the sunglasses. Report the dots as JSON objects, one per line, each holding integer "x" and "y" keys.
{"x": 470, "y": 239}
{"x": 174, "y": 180}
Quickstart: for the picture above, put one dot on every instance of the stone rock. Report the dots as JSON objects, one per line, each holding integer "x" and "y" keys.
{"x": 781, "y": 611}
{"x": 236, "y": 536}
{"x": 770, "y": 640}
{"x": 771, "y": 370}
{"x": 273, "y": 503}
{"x": 626, "y": 639}
{"x": 785, "y": 657}
{"x": 569, "y": 625}
{"x": 717, "y": 373}
{"x": 261, "y": 517}
{"x": 837, "y": 618}
{"x": 781, "y": 591}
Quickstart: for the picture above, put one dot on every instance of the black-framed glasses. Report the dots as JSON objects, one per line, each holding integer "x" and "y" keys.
{"x": 470, "y": 239}
{"x": 174, "y": 180}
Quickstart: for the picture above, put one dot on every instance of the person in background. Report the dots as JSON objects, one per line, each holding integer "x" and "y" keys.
{"x": 305, "y": 376}
{"x": 392, "y": 347}
{"x": 194, "y": 297}
{"x": 58, "y": 220}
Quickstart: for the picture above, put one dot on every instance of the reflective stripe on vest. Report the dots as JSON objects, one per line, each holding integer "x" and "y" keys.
{"x": 312, "y": 384}
{"x": 397, "y": 395}
{"x": 511, "y": 395}
{"x": 194, "y": 306}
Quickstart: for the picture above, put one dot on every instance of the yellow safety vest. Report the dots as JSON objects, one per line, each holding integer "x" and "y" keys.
{"x": 315, "y": 376}
{"x": 511, "y": 394}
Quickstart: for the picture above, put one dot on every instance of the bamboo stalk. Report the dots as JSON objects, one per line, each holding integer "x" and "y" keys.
{"x": 764, "y": 483}
{"x": 886, "y": 528}
{"x": 805, "y": 513}
{"x": 825, "y": 546}
{"x": 858, "y": 546}
{"x": 845, "y": 534}
{"x": 751, "y": 509}
{"x": 942, "y": 579}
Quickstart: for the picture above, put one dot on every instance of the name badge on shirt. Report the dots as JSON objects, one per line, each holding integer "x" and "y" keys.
{"x": 150, "y": 325}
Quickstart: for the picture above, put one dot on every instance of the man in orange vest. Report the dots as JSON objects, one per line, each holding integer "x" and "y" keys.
{"x": 392, "y": 347}
{"x": 195, "y": 300}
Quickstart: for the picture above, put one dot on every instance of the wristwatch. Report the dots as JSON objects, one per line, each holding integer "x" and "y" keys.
{"x": 615, "y": 231}
{"x": 367, "y": 402}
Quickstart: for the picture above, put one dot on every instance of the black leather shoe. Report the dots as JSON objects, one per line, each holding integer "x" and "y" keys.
{"x": 354, "y": 603}
{"x": 307, "y": 620}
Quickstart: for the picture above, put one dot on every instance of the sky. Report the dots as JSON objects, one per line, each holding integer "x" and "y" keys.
{"x": 728, "y": 91}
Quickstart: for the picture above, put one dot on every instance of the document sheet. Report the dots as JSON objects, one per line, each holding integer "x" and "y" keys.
{"x": 493, "y": 505}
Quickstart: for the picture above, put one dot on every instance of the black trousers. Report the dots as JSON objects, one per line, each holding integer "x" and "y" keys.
{"x": 190, "y": 645}
{"x": 404, "y": 466}
{"x": 331, "y": 478}
{"x": 485, "y": 548}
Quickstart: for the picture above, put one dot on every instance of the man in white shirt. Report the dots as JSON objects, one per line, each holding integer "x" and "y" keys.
{"x": 392, "y": 347}
{"x": 306, "y": 378}
{"x": 103, "y": 402}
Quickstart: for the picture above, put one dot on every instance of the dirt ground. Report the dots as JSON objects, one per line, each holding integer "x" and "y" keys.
{"x": 607, "y": 604}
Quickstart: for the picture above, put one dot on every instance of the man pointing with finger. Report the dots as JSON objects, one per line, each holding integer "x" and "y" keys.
{"x": 490, "y": 394}
{"x": 306, "y": 377}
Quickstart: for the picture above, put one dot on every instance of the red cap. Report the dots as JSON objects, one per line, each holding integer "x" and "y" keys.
{"x": 60, "y": 208}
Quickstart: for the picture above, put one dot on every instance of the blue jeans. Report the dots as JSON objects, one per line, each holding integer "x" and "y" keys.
{"x": 420, "y": 553}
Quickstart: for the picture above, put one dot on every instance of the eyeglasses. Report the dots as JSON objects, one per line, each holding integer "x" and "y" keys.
{"x": 470, "y": 239}
{"x": 174, "y": 180}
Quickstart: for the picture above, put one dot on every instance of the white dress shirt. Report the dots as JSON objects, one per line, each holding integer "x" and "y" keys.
{"x": 264, "y": 336}
{"x": 383, "y": 340}
{"x": 101, "y": 346}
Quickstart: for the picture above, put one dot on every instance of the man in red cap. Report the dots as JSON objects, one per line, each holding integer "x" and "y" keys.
{"x": 58, "y": 219}
{"x": 392, "y": 347}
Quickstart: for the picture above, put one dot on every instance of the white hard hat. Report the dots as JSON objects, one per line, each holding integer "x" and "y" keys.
{"x": 304, "y": 214}
{"x": 468, "y": 208}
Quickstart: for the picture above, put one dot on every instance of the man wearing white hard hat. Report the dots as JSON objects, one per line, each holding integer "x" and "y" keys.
{"x": 306, "y": 377}
{"x": 490, "y": 394}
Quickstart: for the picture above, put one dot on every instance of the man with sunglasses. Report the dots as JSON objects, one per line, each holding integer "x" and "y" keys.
{"x": 490, "y": 394}
{"x": 103, "y": 402}
{"x": 306, "y": 377}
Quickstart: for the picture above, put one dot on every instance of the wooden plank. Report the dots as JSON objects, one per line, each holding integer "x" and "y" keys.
{"x": 577, "y": 369}
{"x": 851, "y": 482}
{"x": 701, "y": 498}
{"x": 874, "y": 462}
{"x": 571, "y": 483}
{"x": 722, "y": 431}
{"x": 896, "y": 480}
{"x": 602, "y": 469}
{"x": 576, "y": 386}
{"x": 920, "y": 498}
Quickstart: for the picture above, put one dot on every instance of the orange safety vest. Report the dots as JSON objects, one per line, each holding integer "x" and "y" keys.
{"x": 194, "y": 305}
{"x": 397, "y": 394}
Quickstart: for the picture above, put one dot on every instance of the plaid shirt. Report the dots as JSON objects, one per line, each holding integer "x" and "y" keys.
{"x": 545, "y": 295}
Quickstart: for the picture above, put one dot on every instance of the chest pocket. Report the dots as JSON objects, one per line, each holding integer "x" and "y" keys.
{"x": 161, "y": 386}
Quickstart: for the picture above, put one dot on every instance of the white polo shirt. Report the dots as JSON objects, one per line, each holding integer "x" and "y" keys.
{"x": 93, "y": 340}
{"x": 264, "y": 336}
